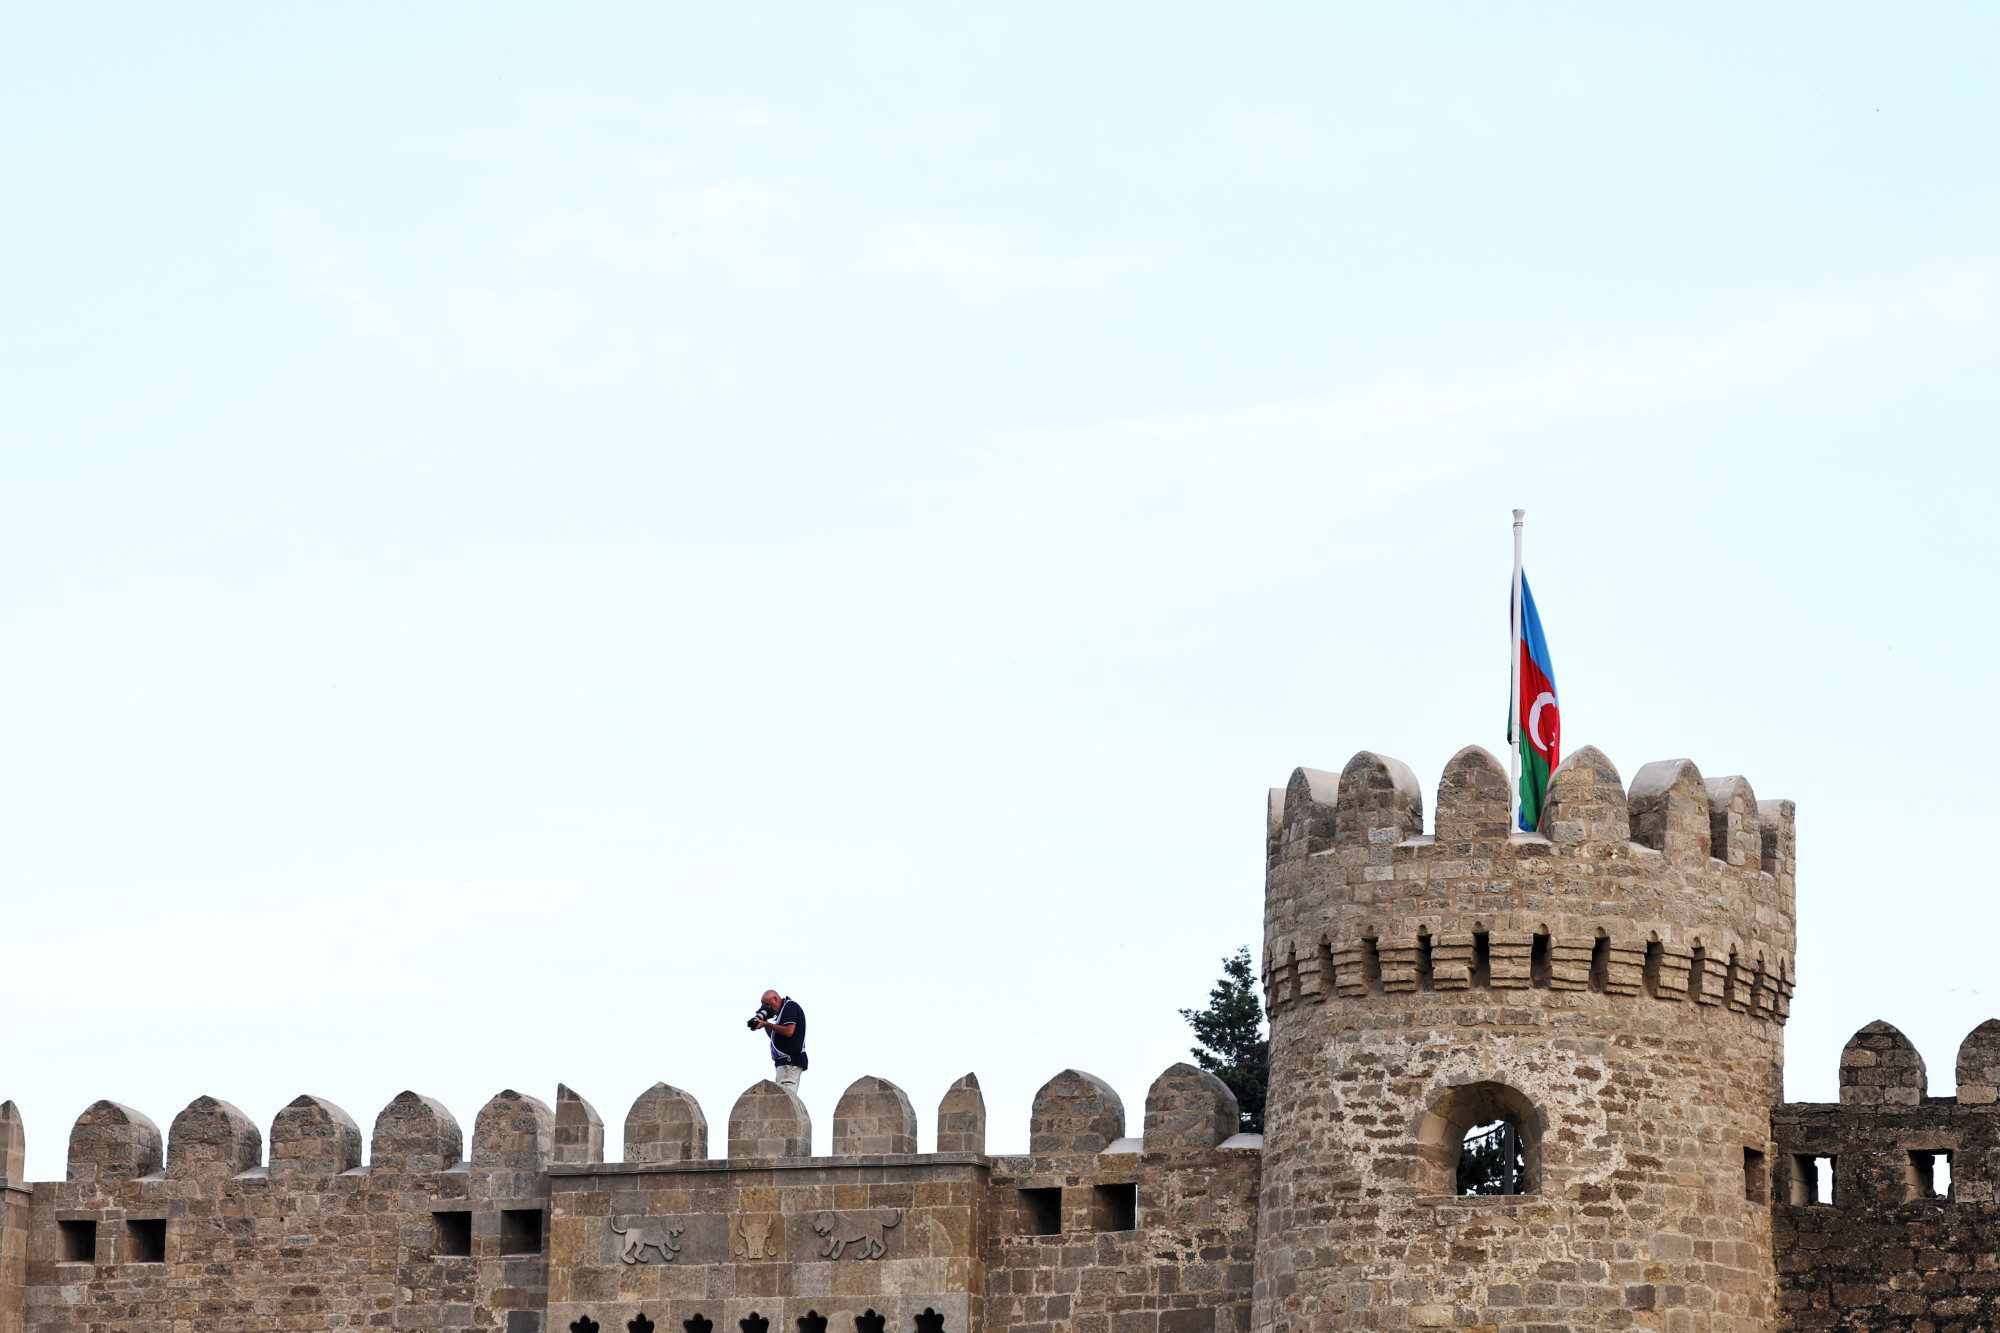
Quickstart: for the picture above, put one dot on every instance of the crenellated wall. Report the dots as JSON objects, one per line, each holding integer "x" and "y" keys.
{"x": 1896, "y": 1243}
{"x": 527, "y": 1228}
{"x": 309, "y": 1240}
{"x": 1615, "y": 984}
{"x": 1180, "y": 1262}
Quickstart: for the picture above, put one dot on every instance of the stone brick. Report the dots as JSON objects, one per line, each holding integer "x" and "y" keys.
{"x": 768, "y": 1120}
{"x": 961, "y": 1122}
{"x": 1879, "y": 1067}
{"x": 111, "y": 1143}
{"x": 513, "y": 1132}
{"x": 579, "y": 1130}
{"x": 1189, "y": 1110}
{"x": 1075, "y": 1113}
{"x": 312, "y": 1137}
{"x": 665, "y": 1125}
{"x": 873, "y": 1117}
{"x": 415, "y": 1134}
{"x": 1979, "y": 1065}
{"x": 13, "y": 1144}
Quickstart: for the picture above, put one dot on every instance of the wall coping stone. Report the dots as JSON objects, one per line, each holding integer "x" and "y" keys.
{"x": 727, "y": 1164}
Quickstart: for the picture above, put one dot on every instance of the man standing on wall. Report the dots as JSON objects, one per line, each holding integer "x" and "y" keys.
{"x": 787, "y": 1029}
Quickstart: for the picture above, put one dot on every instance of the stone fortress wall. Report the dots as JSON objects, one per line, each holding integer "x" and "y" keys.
{"x": 1888, "y": 1202}
{"x": 1616, "y": 986}
{"x": 198, "y": 1231}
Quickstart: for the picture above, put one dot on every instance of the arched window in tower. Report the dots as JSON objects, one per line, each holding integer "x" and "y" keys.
{"x": 1482, "y": 1139}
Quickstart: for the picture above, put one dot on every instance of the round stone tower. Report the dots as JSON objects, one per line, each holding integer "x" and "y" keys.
{"x": 1614, "y": 988}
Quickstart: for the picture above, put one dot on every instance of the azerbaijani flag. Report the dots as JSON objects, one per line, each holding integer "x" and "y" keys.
{"x": 1539, "y": 727}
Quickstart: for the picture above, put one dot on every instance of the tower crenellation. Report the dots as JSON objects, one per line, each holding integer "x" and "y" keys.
{"x": 1621, "y": 891}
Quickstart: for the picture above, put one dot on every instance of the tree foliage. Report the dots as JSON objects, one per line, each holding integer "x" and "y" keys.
{"x": 1483, "y": 1165}
{"x": 1231, "y": 1031}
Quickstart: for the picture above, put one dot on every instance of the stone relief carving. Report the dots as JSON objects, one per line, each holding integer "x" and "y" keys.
{"x": 642, "y": 1236}
{"x": 866, "y": 1233}
{"x": 753, "y": 1238}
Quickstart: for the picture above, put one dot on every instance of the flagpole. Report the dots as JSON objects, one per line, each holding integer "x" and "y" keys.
{"x": 1514, "y": 687}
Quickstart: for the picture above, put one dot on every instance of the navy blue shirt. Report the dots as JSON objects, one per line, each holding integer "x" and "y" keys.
{"x": 789, "y": 1050}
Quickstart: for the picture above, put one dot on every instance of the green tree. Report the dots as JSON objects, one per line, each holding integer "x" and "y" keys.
{"x": 1491, "y": 1161}
{"x": 1231, "y": 1031}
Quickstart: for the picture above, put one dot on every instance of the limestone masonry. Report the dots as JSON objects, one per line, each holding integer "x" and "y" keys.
{"x": 1614, "y": 987}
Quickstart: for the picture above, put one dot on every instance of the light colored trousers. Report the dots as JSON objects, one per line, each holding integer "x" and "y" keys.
{"x": 787, "y": 1076}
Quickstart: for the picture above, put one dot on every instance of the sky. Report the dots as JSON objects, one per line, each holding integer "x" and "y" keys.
{"x": 522, "y": 527}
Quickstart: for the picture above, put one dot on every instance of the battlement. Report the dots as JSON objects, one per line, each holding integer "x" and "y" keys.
{"x": 1375, "y": 801}
{"x": 1074, "y": 1115}
{"x": 1886, "y": 1112}
{"x": 1679, "y": 890}
{"x": 524, "y": 1225}
{"x": 1886, "y": 1202}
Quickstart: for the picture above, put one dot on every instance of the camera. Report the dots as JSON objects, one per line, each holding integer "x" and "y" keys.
{"x": 764, "y": 1012}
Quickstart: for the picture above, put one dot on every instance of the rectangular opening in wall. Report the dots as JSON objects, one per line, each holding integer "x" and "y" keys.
{"x": 1424, "y": 961}
{"x": 1482, "y": 959}
{"x": 1042, "y": 1209}
{"x": 1930, "y": 1173}
{"x": 1650, "y": 975}
{"x": 1116, "y": 1207}
{"x": 1810, "y": 1179}
{"x": 79, "y": 1241}
{"x": 1756, "y": 1180}
{"x": 1371, "y": 964}
{"x": 454, "y": 1233}
{"x": 1540, "y": 972}
{"x": 146, "y": 1240}
{"x": 521, "y": 1231}
{"x": 1600, "y": 962}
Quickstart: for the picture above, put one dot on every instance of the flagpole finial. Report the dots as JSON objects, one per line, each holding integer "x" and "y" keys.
{"x": 1518, "y": 514}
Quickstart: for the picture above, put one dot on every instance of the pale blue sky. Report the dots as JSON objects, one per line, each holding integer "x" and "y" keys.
{"x": 523, "y": 527}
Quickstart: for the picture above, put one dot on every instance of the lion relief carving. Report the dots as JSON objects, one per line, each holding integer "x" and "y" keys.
{"x": 855, "y": 1235}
